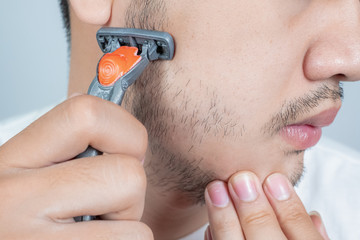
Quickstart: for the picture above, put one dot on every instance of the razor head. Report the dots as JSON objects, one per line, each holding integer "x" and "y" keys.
{"x": 109, "y": 39}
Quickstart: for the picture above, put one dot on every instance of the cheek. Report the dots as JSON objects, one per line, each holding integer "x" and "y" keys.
{"x": 229, "y": 70}
{"x": 245, "y": 92}
{"x": 234, "y": 57}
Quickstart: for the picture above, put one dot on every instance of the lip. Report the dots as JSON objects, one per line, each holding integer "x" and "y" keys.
{"x": 322, "y": 119}
{"x": 307, "y": 133}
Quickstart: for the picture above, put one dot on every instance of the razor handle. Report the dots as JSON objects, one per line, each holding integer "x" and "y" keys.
{"x": 127, "y": 54}
{"x": 113, "y": 88}
{"x": 116, "y": 72}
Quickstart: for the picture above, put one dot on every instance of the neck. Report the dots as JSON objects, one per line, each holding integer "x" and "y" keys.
{"x": 170, "y": 216}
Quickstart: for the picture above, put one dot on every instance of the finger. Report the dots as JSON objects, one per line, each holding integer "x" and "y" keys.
{"x": 208, "y": 234}
{"x": 318, "y": 223}
{"x": 96, "y": 230}
{"x": 69, "y": 128}
{"x": 223, "y": 219}
{"x": 257, "y": 218}
{"x": 292, "y": 216}
{"x": 111, "y": 184}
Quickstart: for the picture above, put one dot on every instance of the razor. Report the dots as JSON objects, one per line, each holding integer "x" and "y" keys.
{"x": 127, "y": 53}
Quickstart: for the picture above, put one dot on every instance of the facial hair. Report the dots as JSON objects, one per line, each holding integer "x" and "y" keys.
{"x": 180, "y": 172}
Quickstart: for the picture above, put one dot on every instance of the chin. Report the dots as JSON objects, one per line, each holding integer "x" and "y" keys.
{"x": 262, "y": 162}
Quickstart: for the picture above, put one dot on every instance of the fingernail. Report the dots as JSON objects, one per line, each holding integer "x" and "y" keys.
{"x": 315, "y": 213}
{"x": 218, "y": 194}
{"x": 244, "y": 185}
{"x": 278, "y": 186}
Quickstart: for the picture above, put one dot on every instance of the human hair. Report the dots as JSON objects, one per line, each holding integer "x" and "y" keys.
{"x": 64, "y": 8}
{"x": 146, "y": 14}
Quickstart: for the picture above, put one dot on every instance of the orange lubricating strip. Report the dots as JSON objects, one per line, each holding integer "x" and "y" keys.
{"x": 113, "y": 66}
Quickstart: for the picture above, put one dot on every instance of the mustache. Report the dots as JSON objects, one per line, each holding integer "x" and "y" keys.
{"x": 291, "y": 110}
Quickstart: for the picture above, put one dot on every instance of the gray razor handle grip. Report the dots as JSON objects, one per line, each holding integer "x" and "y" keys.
{"x": 95, "y": 90}
{"x": 89, "y": 152}
{"x": 84, "y": 218}
{"x": 115, "y": 94}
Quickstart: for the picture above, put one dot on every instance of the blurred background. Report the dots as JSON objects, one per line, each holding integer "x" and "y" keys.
{"x": 34, "y": 67}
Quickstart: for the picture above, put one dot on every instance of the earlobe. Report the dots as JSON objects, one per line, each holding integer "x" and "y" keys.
{"x": 96, "y": 12}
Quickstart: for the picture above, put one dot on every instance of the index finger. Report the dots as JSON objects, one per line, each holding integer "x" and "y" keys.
{"x": 224, "y": 222}
{"x": 291, "y": 213}
{"x": 70, "y": 128}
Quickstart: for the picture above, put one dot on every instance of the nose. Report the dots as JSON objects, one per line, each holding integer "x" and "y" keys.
{"x": 335, "y": 49}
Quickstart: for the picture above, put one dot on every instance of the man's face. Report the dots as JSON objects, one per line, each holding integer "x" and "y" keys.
{"x": 246, "y": 87}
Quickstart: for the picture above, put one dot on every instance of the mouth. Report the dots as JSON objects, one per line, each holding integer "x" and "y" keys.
{"x": 307, "y": 133}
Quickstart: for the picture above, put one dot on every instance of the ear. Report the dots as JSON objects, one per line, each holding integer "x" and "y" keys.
{"x": 96, "y": 12}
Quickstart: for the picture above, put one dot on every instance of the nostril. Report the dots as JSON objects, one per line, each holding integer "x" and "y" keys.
{"x": 340, "y": 77}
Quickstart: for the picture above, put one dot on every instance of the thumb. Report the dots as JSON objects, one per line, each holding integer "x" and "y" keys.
{"x": 208, "y": 234}
{"x": 317, "y": 221}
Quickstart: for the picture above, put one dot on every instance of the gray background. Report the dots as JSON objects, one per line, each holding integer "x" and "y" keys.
{"x": 34, "y": 66}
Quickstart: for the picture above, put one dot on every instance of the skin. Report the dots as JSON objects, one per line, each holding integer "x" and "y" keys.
{"x": 237, "y": 67}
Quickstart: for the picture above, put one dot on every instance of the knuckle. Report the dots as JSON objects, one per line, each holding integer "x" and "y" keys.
{"x": 258, "y": 218}
{"x": 131, "y": 172}
{"x": 82, "y": 111}
{"x": 292, "y": 216}
{"x": 138, "y": 176}
{"x": 139, "y": 133}
{"x": 146, "y": 233}
{"x": 224, "y": 225}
